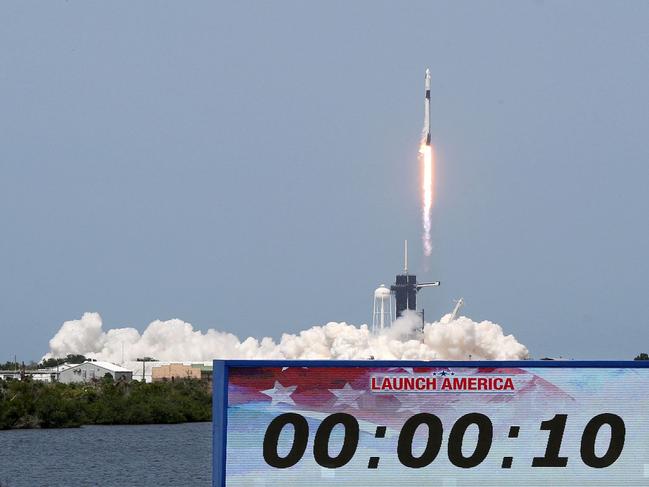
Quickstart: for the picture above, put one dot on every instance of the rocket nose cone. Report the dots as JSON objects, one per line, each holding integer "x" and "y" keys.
{"x": 427, "y": 73}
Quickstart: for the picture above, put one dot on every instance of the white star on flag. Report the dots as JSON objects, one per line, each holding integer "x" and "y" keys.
{"x": 412, "y": 402}
{"x": 280, "y": 394}
{"x": 346, "y": 396}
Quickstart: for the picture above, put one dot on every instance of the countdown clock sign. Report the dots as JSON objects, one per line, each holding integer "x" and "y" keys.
{"x": 389, "y": 423}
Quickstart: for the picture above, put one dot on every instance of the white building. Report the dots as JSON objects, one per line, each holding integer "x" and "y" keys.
{"x": 48, "y": 374}
{"x": 9, "y": 374}
{"x": 93, "y": 370}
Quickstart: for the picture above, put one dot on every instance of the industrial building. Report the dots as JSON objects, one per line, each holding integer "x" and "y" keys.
{"x": 71, "y": 373}
{"x": 178, "y": 371}
{"x": 92, "y": 370}
{"x": 40, "y": 375}
{"x": 9, "y": 374}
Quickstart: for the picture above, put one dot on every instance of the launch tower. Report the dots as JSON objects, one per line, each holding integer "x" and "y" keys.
{"x": 406, "y": 287}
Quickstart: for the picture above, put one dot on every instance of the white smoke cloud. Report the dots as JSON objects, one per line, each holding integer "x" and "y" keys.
{"x": 176, "y": 340}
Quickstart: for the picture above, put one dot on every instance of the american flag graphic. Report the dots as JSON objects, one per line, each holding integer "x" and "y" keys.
{"x": 347, "y": 389}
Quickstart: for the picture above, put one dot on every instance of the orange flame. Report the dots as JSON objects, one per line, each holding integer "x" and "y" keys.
{"x": 428, "y": 162}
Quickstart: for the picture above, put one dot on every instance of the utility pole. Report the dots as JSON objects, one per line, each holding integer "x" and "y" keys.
{"x": 144, "y": 360}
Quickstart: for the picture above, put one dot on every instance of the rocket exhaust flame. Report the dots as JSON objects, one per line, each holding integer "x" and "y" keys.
{"x": 426, "y": 154}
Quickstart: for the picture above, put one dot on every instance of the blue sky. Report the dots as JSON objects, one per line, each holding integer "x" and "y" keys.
{"x": 251, "y": 166}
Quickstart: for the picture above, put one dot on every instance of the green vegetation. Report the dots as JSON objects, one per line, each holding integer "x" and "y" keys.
{"x": 16, "y": 366}
{"x": 30, "y": 404}
{"x": 642, "y": 356}
{"x": 71, "y": 358}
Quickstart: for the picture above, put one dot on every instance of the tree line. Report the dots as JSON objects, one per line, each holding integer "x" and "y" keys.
{"x": 33, "y": 404}
{"x": 71, "y": 358}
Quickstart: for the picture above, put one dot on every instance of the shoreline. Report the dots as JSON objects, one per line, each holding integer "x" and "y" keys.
{"x": 35, "y": 405}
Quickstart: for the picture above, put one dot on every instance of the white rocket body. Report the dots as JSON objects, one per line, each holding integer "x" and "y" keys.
{"x": 427, "y": 107}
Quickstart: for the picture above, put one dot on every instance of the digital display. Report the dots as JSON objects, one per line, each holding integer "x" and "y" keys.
{"x": 376, "y": 423}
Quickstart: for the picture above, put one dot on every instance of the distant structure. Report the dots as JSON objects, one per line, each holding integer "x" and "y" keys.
{"x": 406, "y": 287}
{"x": 382, "y": 313}
{"x": 458, "y": 304}
{"x": 10, "y": 374}
{"x": 87, "y": 371}
{"x": 93, "y": 370}
{"x": 180, "y": 371}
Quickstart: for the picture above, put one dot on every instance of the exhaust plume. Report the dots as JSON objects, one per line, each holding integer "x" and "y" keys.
{"x": 428, "y": 161}
{"x": 176, "y": 340}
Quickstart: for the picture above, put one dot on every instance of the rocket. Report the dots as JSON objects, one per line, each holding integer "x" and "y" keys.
{"x": 427, "y": 107}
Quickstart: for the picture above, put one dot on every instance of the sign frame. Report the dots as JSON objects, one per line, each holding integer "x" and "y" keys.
{"x": 221, "y": 373}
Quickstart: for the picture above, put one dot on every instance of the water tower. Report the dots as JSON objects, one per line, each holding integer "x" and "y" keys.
{"x": 382, "y": 315}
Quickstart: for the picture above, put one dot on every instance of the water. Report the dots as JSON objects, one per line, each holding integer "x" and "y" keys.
{"x": 108, "y": 456}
